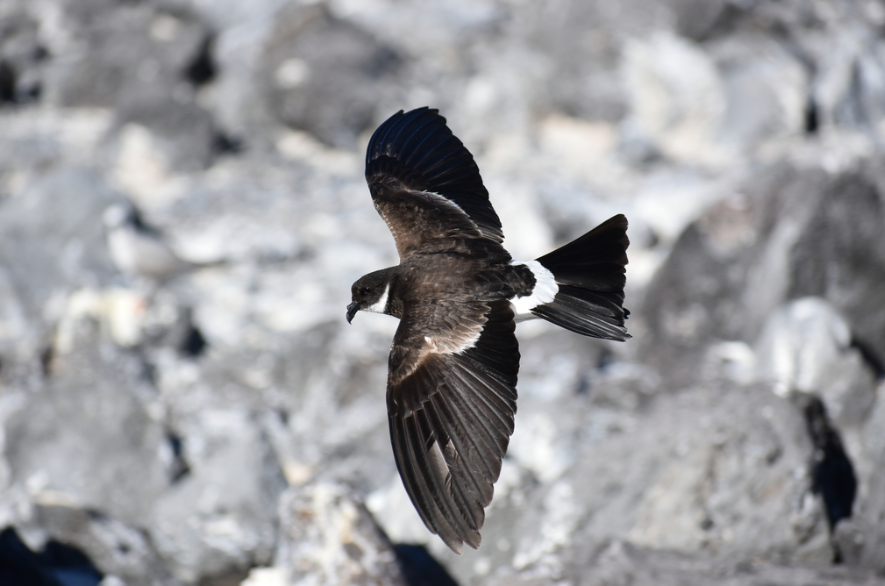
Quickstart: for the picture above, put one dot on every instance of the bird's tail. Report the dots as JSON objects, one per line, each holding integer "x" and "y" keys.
{"x": 590, "y": 275}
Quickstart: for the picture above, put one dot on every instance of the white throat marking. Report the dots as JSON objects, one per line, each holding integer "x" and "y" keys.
{"x": 380, "y": 305}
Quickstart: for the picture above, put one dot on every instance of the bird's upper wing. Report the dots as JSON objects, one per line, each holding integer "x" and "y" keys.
{"x": 451, "y": 398}
{"x": 426, "y": 185}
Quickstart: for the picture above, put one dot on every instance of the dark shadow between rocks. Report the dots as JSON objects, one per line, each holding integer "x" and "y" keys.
{"x": 202, "y": 69}
{"x": 224, "y": 144}
{"x": 832, "y": 473}
{"x": 7, "y": 83}
{"x": 179, "y": 468}
{"x": 812, "y": 119}
{"x": 56, "y": 565}
{"x": 194, "y": 344}
{"x": 870, "y": 357}
{"x": 419, "y": 568}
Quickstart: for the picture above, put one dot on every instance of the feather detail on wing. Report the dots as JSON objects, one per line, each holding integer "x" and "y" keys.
{"x": 415, "y": 156}
{"x": 451, "y": 416}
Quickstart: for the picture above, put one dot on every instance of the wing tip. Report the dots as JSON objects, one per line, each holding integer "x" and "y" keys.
{"x": 420, "y": 150}
{"x": 473, "y": 539}
{"x": 398, "y": 120}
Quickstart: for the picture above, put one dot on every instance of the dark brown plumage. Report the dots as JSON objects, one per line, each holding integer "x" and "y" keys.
{"x": 451, "y": 389}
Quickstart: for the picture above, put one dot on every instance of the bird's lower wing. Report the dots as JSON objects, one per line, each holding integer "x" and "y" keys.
{"x": 451, "y": 417}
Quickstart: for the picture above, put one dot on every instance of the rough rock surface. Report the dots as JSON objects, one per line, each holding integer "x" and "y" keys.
{"x": 618, "y": 562}
{"x": 202, "y": 430}
{"x": 330, "y": 538}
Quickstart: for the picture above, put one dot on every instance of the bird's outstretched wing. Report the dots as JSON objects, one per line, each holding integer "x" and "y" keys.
{"x": 426, "y": 185}
{"x": 451, "y": 400}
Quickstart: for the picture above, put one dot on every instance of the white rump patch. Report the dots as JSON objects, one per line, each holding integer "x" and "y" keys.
{"x": 544, "y": 292}
{"x": 381, "y": 304}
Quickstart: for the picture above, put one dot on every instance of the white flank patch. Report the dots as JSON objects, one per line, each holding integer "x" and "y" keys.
{"x": 457, "y": 343}
{"x": 381, "y": 304}
{"x": 467, "y": 343}
{"x": 544, "y": 292}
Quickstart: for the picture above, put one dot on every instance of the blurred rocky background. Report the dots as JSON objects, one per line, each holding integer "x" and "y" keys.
{"x": 212, "y": 420}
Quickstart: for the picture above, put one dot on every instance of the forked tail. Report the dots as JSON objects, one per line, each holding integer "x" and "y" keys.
{"x": 590, "y": 275}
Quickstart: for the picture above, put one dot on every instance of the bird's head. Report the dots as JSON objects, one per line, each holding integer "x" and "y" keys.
{"x": 370, "y": 293}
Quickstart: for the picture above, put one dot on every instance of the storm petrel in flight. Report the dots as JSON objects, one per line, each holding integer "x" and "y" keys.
{"x": 451, "y": 387}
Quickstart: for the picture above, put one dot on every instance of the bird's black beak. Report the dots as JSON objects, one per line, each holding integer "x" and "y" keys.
{"x": 351, "y": 310}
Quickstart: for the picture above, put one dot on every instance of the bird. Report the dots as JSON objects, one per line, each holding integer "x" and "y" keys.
{"x": 453, "y": 363}
{"x": 138, "y": 249}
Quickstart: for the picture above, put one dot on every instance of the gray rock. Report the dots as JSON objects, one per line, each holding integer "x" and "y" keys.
{"x": 22, "y": 56}
{"x": 324, "y": 74}
{"x": 677, "y": 96}
{"x": 144, "y": 62}
{"x": 38, "y": 142}
{"x": 733, "y": 480}
{"x": 52, "y": 241}
{"x": 835, "y": 46}
{"x": 739, "y": 262}
{"x": 840, "y": 255}
{"x": 698, "y": 20}
{"x": 116, "y": 549}
{"x": 586, "y": 70}
{"x": 125, "y": 51}
{"x": 16, "y": 326}
{"x": 766, "y": 89}
{"x": 720, "y": 470}
{"x": 329, "y": 538}
{"x": 618, "y": 562}
{"x": 219, "y": 520}
{"x": 88, "y": 435}
{"x": 805, "y": 346}
{"x": 862, "y": 538}
{"x": 183, "y": 132}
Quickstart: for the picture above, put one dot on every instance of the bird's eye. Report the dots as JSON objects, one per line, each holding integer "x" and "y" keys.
{"x": 365, "y": 290}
